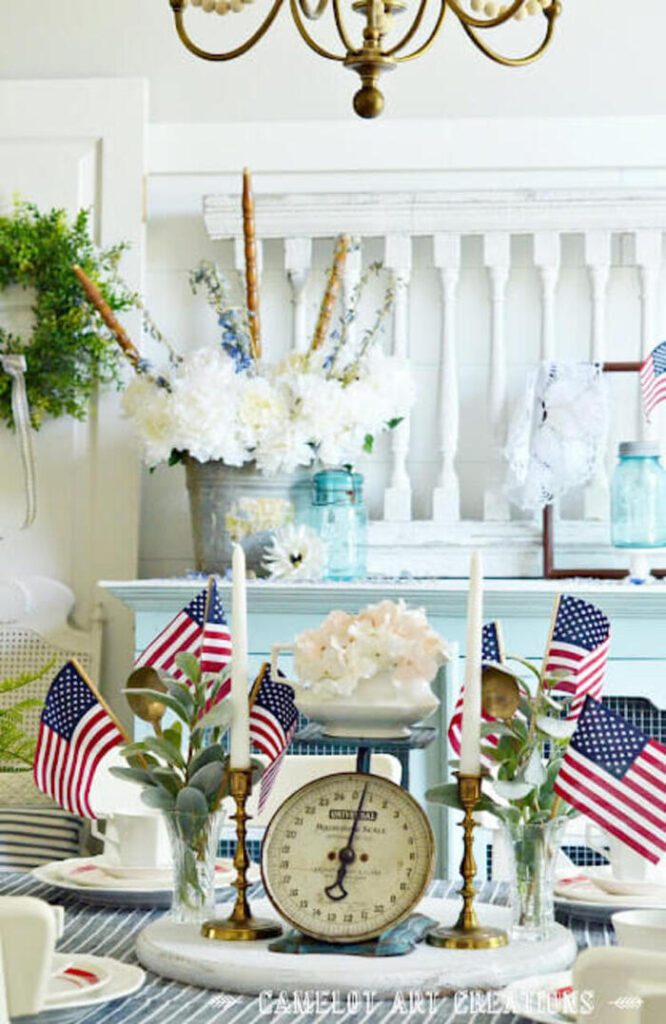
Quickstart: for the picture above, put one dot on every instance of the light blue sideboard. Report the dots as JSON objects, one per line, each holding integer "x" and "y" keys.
{"x": 278, "y": 611}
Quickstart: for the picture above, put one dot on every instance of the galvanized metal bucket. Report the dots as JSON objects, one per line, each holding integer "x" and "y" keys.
{"x": 215, "y": 490}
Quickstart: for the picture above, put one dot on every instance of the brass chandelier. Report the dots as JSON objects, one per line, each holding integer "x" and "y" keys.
{"x": 376, "y": 52}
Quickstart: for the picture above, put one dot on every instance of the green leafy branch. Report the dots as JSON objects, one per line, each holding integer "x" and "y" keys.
{"x": 17, "y": 750}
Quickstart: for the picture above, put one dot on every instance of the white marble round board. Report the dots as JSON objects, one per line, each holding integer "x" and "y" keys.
{"x": 92, "y": 887}
{"x": 179, "y": 952}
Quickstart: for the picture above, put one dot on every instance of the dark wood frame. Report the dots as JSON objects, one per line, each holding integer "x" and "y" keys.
{"x": 550, "y": 572}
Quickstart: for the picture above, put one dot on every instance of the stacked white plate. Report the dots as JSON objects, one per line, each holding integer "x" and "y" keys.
{"x": 595, "y": 894}
{"x": 79, "y": 982}
{"x": 96, "y": 881}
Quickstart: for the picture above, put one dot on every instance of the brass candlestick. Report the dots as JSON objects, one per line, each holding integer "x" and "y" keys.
{"x": 241, "y": 926}
{"x": 467, "y": 933}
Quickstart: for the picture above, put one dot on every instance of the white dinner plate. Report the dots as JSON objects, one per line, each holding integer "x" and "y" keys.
{"x": 541, "y": 998}
{"x": 119, "y": 892}
{"x": 121, "y": 980}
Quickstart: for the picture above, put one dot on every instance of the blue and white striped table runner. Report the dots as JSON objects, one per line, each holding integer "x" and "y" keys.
{"x": 108, "y": 932}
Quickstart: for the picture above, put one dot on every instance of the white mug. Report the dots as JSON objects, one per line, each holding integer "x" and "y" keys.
{"x": 626, "y": 864}
{"x": 135, "y": 840}
{"x": 29, "y": 929}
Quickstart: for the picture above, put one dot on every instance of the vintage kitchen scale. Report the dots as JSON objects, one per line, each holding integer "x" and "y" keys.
{"x": 346, "y": 859}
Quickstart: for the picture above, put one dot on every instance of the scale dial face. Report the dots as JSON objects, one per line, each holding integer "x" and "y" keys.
{"x": 347, "y": 856}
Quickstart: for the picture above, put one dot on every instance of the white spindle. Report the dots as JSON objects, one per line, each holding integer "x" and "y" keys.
{"x": 398, "y": 260}
{"x": 597, "y": 260}
{"x": 446, "y": 495}
{"x": 648, "y": 260}
{"x": 497, "y": 258}
{"x": 547, "y": 259}
{"x": 297, "y": 262}
{"x": 351, "y": 276}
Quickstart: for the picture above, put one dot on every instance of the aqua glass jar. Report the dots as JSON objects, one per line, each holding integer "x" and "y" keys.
{"x": 338, "y": 515}
{"x": 638, "y": 497}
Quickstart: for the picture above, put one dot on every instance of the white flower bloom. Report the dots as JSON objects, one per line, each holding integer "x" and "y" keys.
{"x": 295, "y": 553}
{"x": 280, "y": 417}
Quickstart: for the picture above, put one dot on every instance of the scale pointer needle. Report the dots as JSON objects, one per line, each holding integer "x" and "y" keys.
{"x": 347, "y": 856}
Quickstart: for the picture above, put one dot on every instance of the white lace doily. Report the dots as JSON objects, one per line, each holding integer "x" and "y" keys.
{"x": 557, "y": 438}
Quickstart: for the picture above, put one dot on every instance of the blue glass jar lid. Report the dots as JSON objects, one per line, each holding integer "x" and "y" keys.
{"x": 641, "y": 449}
{"x": 333, "y": 487}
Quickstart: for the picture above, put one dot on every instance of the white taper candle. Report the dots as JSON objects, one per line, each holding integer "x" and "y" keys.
{"x": 240, "y": 723}
{"x": 470, "y": 744}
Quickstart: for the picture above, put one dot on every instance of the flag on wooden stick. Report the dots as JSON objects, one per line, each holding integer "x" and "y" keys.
{"x": 492, "y": 649}
{"x": 199, "y": 629}
{"x": 579, "y": 643}
{"x": 273, "y": 724}
{"x": 653, "y": 379}
{"x": 616, "y": 776}
{"x": 216, "y": 642}
{"x": 77, "y": 730}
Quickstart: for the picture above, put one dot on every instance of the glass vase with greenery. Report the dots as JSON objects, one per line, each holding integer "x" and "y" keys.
{"x": 524, "y": 760}
{"x": 184, "y": 773}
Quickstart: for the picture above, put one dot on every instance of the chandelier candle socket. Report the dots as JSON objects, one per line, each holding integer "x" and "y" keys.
{"x": 379, "y": 47}
{"x": 240, "y": 723}
{"x": 470, "y": 746}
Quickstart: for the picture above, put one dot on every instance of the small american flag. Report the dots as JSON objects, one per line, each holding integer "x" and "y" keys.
{"x": 579, "y": 643}
{"x": 273, "y": 724}
{"x": 653, "y": 378}
{"x": 616, "y": 776}
{"x": 183, "y": 633}
{"x": 492, "y": 649}
{"x": 216, "y": 643}
{"x": 76, "y": 732}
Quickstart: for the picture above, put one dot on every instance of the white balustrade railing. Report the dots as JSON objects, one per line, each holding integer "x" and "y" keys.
{"x": 401, "y": 221}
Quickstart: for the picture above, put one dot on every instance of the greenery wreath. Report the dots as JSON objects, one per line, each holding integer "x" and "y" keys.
{"x": 70, "y": 351}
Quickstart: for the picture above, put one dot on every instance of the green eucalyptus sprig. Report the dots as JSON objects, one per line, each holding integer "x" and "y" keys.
{"x": 185, "y": 768}
{"x": 528, "y": 755}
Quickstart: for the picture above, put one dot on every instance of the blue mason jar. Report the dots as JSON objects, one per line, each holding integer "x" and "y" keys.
{"x": 638, "y": 497}
{"x": 339, "y": 517}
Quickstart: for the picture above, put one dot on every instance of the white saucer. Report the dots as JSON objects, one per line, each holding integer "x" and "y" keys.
{"x": 121, "y": 980}
{"x": 95, "y": 886}
{"x": 536, "y": 998}
{"x": 74, "y": 975}
{"x": 581, "y": 898}
{"x": 605, "y": 881}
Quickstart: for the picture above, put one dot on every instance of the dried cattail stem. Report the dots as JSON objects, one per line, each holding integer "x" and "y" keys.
{"x": 331, "y": 293}
{"x": 251, "y": 274}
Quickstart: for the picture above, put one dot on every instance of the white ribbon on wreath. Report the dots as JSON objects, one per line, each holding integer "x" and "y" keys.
{"x": 15, "y": 365}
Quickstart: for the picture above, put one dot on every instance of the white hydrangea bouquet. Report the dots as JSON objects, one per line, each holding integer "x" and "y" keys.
{"x": 387, "y": 637}
{"x": 226, "y": 404}
{"x": 370, "y": 670}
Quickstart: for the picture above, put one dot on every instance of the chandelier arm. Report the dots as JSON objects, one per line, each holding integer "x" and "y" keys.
{"x": 431, "y": 38}
{"x": 310, "y": 13}
{"x": 500, "y": 19}
{"x": 513, "y": 62}
{"x": 230, "y": 54}
{"x": 307, "y": 38}
{"x": 342, "y": 30}
{"x": 411, "y": 32}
